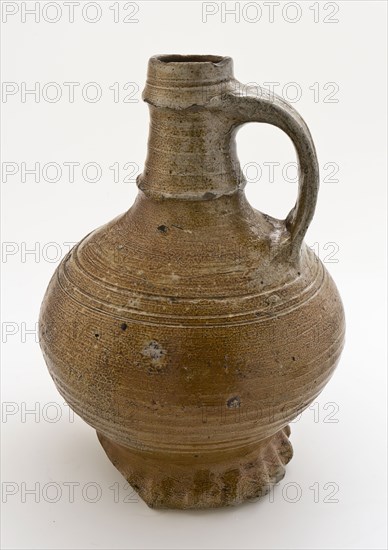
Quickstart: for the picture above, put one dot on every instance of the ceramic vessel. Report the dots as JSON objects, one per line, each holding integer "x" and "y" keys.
{"x": 190, "y": 330}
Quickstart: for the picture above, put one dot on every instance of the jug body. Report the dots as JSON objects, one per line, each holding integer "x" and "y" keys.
{"x": 190, "y": 330}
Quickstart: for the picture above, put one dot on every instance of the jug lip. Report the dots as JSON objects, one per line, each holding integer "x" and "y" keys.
{"x": 176, "y": 70}
{"x": 180, "y": 81}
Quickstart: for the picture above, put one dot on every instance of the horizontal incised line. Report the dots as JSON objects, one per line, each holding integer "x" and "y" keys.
{"x": 142, "y": 295}
{"x": 278, "y": 311}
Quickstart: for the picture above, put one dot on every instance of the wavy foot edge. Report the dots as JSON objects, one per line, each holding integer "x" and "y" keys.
{"x": 193, "y": 483}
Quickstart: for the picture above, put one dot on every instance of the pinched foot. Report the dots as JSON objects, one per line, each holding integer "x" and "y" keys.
{"x": 200, "y": 480}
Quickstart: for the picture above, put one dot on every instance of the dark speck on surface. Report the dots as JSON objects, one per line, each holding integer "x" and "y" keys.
{"x": 233, "y": 403}
{"x": 209, "y": 195}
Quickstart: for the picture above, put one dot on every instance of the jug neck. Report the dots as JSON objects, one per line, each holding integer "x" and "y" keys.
{"x": 191, "y": 152}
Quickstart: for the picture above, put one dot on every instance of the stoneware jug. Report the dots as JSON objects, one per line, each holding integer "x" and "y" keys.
{"x": 190, "y": 330}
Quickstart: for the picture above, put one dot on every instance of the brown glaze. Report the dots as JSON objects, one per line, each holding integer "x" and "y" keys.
{"x": 190, "y": 330}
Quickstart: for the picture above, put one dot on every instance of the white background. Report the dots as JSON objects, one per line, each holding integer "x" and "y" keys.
{"x": 340, "y": 441}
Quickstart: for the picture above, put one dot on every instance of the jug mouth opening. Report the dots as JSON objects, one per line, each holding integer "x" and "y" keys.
{"x": 177, "y": 58}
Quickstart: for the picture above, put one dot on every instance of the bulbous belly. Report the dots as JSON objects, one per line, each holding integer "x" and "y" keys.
{"x": 172, "y": 373}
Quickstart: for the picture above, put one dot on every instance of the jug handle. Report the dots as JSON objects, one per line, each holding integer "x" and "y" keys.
{"x": 266, "y": 107}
